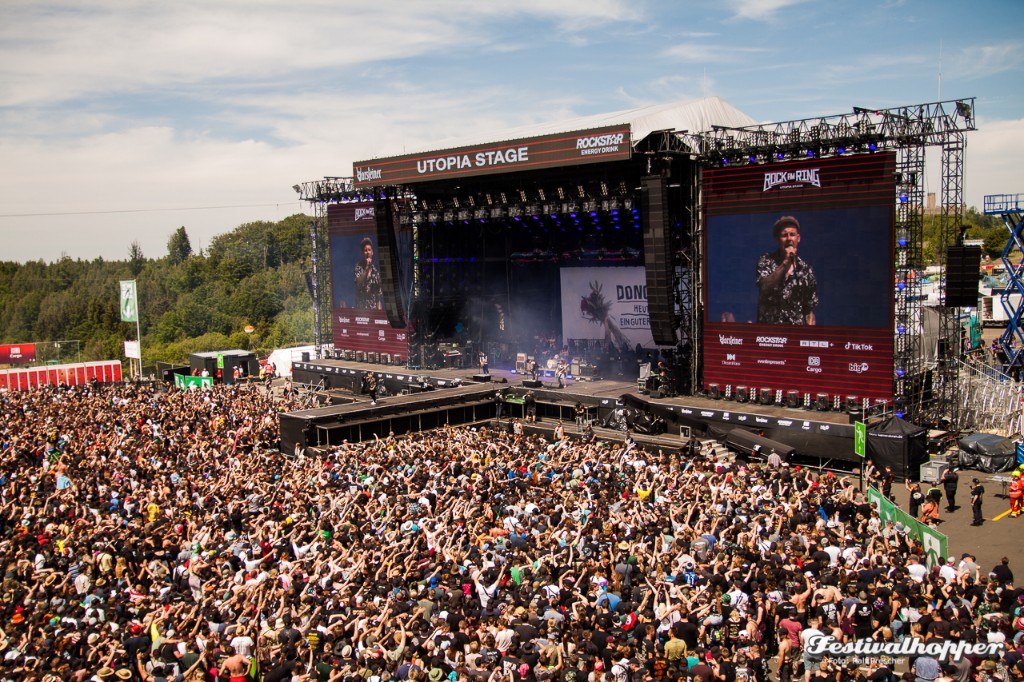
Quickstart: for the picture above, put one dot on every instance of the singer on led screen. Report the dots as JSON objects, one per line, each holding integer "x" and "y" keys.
{"x": 787, "y": 288}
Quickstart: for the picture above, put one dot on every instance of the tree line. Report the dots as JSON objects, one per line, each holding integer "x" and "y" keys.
{"x": 189, "y": 302}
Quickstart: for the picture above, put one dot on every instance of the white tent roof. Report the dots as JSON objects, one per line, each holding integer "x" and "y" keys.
{"x": 696, "y": 116}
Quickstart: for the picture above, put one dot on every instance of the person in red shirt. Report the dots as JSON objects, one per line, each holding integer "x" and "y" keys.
{"x": 1016, "y": 491}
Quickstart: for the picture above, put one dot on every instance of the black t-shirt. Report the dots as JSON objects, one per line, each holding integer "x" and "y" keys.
{"x": 281, "y": 672}
{"x": 289, "y": 636}
{"x": 939, "y": 629}
{"x": 687, "y": 631}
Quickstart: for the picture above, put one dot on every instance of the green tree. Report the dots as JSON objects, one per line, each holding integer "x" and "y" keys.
{"x": 136, "y": 259}
{"x": 179, "y": 247}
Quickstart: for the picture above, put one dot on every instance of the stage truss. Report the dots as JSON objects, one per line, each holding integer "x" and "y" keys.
{"x": 320, "y": 194}
{"x": 908, "y": 130}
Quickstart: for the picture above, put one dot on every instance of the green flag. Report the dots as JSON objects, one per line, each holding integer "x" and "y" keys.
{"x": 129, "y": 301}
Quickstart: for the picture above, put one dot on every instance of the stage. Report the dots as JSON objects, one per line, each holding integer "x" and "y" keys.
{"x": 461, "y": 396}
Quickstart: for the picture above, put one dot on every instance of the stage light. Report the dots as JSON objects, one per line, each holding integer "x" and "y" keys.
{"x": 901, "y": 286}
{"x": 840, "y": 150}
{"x": 780, "y": 156}
{"x": 297, "y": 188}
{"x": 901, "y": 329}
{"x": 900, "y": 372}
{"x": 753, "y": 159}
{"x": 725, "y": 162}
{"x": 872, "y": 147}
{"x": 904, "y": 197}
{"x": 810, "y": 153}
{"x": 902, "y": 242}
{"x": 964, "y": 109}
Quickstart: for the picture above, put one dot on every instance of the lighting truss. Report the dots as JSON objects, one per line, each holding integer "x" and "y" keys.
{"x": 907, "y": 130}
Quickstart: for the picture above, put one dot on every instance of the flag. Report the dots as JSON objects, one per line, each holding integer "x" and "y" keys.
{"x": 129, "y": 301}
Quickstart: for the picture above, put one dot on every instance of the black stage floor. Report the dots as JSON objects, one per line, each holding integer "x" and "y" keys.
{"x": 578, "y": 389}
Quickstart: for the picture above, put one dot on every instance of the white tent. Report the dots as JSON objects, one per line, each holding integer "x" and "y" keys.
{"x": 282, "y": 358}
{"x": 696, "y": 116}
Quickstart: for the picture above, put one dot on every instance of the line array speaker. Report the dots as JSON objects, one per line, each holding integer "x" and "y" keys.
{"x": 962, "y": 266}
{"x": 658, "y": 258}
{"x": 387, "y": 245}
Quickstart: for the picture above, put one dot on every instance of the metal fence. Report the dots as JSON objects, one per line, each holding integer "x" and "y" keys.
{"x": 991, "y": 401}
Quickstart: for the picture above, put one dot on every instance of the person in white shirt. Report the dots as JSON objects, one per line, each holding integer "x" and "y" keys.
{"x": 916, "y": 570}
{"x": 242, "y": 642}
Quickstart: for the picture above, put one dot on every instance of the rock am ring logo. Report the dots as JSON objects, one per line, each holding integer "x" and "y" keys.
{"x": 801, "y": 177}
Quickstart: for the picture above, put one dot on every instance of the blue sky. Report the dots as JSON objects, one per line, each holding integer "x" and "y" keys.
{"x": 122, "y": 121}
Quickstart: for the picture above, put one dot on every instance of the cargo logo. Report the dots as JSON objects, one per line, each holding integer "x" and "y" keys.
{"x": 364, "y": 212}
{"x": 814, "y": 364}
{"x": 858, "y": 367}
{"x": 367, "y": 174}
{"x": 803, "y": 177}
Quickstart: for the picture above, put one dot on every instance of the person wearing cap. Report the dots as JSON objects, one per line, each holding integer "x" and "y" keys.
{"x": 787, "y": 287}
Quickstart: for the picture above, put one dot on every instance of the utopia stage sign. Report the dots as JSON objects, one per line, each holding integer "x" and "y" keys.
{"x": 609, "y": 143}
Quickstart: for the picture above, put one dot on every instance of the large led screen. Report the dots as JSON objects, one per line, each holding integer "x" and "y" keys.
{"x": 799, "y": 284}
{"x": 358, "y": 320}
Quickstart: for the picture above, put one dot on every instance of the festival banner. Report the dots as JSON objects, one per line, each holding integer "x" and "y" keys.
{"x": 935, "y": 544}
{"x": 185, "y": 382}
{"x": 129, "y": 301}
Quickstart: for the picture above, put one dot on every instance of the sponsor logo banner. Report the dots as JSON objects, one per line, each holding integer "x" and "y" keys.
{"x": 547, "y": 151}
{"x": 17, "y": 354}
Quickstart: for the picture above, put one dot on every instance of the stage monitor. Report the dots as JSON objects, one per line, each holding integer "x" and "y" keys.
{"x": 358, "y": 318}
{"x": 799, "y": 286}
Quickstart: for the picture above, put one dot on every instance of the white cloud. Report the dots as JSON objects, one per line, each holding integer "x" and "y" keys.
{"x": 698, "y": 53}
{"x": 760, "y": 10}
{"x": 981, "y": 61}
{"x": 50, "y": 52}
{"x": 992, "y": 160}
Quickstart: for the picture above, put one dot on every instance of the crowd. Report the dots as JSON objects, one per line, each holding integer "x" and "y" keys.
{"x": 151, "y": 535}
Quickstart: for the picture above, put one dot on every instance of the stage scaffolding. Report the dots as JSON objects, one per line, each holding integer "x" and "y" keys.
{"x": 908, "y": 130}
{"x": 1010, "y": 207}
{"x": 320, "y": 194}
